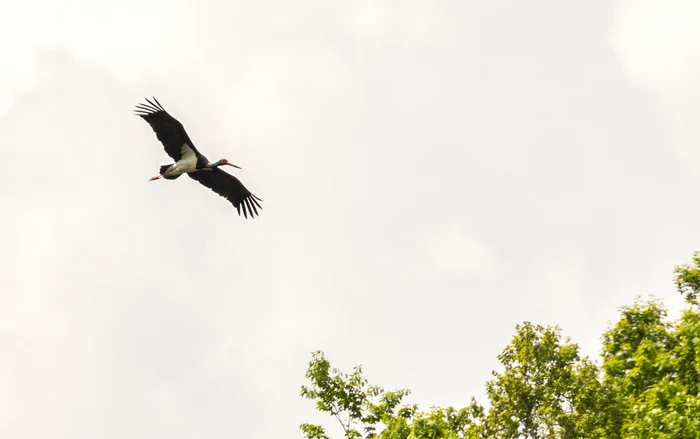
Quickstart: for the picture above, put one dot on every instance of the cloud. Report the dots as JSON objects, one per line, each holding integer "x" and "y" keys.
{"x": 433, "y": 174}
{"x": 658, "y": 45}
{"x": 115, "y": 314}
{"x": 454, "y": 250}
{"x": 408, "y": 23}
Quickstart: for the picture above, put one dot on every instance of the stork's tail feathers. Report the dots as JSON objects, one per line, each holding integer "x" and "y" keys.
{"x": 162, "y": 171}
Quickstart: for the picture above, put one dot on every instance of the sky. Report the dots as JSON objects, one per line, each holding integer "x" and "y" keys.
{"x": 433, "y": 174}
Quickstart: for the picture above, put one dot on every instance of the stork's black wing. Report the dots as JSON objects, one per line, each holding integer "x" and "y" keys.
{"x": 230, "y": 188}
{"x": 169, "y": 130}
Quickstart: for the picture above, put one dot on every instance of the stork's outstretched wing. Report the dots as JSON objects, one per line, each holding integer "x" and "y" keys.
{"x": 169, "y": 130}
{"x": 230, "y": 188}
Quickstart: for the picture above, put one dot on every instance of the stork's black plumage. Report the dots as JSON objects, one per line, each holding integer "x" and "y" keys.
{"x": 178, "y": 145}
{"x": 230, "y": 188}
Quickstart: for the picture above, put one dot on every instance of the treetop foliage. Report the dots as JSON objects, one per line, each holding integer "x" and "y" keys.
{"x": 644, "y": 386}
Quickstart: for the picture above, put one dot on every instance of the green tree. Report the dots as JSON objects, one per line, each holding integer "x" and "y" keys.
{"x": 349, "y": 399}
{"x": 688, "y": 280}
{"x": 647, "y": 385}
{"x": 371, "y": 412}
{"x": 651, "y": 374}
{"x": 546, "y": 389}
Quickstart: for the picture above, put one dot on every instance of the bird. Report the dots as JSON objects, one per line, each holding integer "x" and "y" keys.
{"x": 188, "y": 160}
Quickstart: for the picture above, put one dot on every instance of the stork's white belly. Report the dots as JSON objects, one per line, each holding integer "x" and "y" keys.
{"x": 187, "y": 163}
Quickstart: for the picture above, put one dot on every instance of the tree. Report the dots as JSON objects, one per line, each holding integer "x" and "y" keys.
{"x": 545, "y": 391}
{"x": 651, "y": 369}
{"x": 688, "y": 280}
{"x": 647, "y": 385}
{"x": 360, "y": 407}
{"x": 349, "y": 399}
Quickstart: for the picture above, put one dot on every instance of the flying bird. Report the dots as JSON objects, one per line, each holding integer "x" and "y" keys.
{"x": 189, "y": 161}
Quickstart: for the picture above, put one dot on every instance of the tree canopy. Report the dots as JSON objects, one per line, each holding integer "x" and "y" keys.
{"x": 644, "y": 385}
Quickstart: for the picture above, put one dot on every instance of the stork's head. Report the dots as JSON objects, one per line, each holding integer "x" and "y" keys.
{"x": 224, "y": 162}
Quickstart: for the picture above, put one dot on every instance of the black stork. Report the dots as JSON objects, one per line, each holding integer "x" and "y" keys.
{"x": 189, "y": 161}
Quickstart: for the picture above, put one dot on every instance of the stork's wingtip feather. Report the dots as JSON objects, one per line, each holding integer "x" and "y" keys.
{"x": 252, "y": 205}
{"x": 159, "y": 105}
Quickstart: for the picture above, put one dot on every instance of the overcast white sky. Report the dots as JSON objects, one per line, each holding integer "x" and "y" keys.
{"x": 433, "y": 173}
